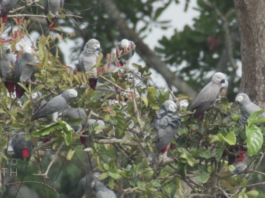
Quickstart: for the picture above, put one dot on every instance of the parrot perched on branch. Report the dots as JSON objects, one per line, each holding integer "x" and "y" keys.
{"x": 53, "y": 7}
{"x": 209, "y": 94}
{"x": 7, "y": 73}
{"x": 88, "y": 59}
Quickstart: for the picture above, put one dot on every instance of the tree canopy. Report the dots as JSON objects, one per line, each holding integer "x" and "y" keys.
{"x": 199, "y": 165}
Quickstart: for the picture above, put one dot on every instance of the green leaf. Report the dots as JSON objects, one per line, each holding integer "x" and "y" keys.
{"x": 254, "y": 139}
{"x": 114, "y": 175}
{"x": 205, "y": 153}
{"x": 70, "y": 154}
{"x": 218, "y": 152}
{"x": 26, "y": 104}
{"x": 253, "y": 193}
{"x": 253, "y": 117}
{"x": 87, "y": 149}
{"x": 106, "y": 166}
{"x": 218, "y": 138}
{"x": 259, "y": 120}
{"x": 230, "y": 138}
{"x": 151, "y": 94}
{"x": 38, "y": 88}
{"x": 75, "y": 121}
{"x": 203, "y": 176}
{"x": 144, "y": 99}
{"x": 103, "y": 176}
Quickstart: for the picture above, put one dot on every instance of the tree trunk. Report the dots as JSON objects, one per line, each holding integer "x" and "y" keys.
{"x": 251, "y": 20}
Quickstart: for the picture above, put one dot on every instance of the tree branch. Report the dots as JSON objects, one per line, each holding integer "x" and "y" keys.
{"x": 40, "y": 16}
{"x": 151, "y": 59}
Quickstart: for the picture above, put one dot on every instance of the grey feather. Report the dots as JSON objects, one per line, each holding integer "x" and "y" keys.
{"x": 24, "y": 71}
{"x": 53, "y": 7}
{"x": 166, "y": 124}
{"x": 209, "y": 94}
{"x": 8, "y": 59}
{"x": 56, "y": 104}
{"x": 84, "y": 185}
{"x": 88, "y": 57}
{"x": 101, "y": 190}
{"x": 125, "y": 57}
{"x": 19, "y": 143}
{"x": 6, "y": 6}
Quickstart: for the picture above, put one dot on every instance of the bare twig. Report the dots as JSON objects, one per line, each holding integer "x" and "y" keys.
{"x": 14, "y": 183}
{"x": 45, "y": 175}
{"x": 114, "y": 141}
{"x": 40, "y": 16}
{"x": 44, "y": 145}
{"x": 23, "y": 7}
{"x": 115, "y": 84}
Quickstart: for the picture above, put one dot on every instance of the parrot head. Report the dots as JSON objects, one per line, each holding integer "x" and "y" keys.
{"x": 242, "y": 98}
{"x": 93, "y": 44}
{"x": 6, "y": 48}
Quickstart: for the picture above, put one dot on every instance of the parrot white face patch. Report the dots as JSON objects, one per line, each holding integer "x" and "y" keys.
{"x": 34, "y": 96}
{"x": 172, "y": 107}
{"x": 6, "y": 47}
{"x": 124, "y": 43}
{"x": 27, "y": 50}
{"x": 184, "y": 103}
{"x": 239, "y": 98}
{"x": 73, "y": 93}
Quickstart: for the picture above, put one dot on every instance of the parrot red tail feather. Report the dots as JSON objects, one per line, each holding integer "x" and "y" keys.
{"x": 83, "y": 140}
{"x": 19, "y": 91}
{"x": 10, "y": 86}
{"x": 51, "y": 24}
{"x": 4, "y": 19}
{"x": 93, "y": 83}
{"x": 241, "y": 155}
{"x": 164, "y": 149}
{"x": 25, "y": 153}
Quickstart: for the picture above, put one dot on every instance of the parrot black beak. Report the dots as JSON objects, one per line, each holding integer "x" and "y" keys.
{"x": 222, "y": 81}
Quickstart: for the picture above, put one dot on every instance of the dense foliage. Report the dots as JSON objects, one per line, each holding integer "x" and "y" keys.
{"x": 124, "y": 153}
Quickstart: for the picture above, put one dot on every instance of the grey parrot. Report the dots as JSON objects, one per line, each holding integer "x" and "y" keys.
{"x": 88, "y": 59}
{"x": 101, "y": 190}
{"x": 166, "y": 125}
{"x": 56, "y": 104}
{"x": 21, "y": 147}
{"x": 127, "y": 48}
{"x": 53, "y": 7}
{"x": 209, "y": 94}
{"x": 5, "y": 7}
{"x": 84, "y": 185}
{"x": 7, "y": 73}
{"x": 23, "y": 71}
{"x": 246, "y": 107}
